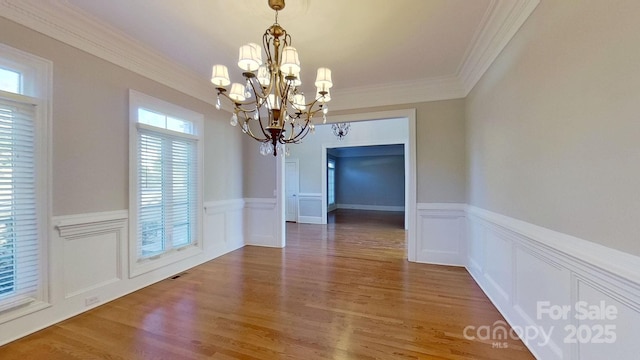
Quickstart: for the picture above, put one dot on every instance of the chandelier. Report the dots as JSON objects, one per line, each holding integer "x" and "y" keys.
{"x": 269, "y": 106}
{"x": 340, "y": 130}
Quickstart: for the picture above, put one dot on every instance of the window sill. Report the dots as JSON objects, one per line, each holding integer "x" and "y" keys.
{"x": 22, "y": 309}
{"x": 144, "y": 266}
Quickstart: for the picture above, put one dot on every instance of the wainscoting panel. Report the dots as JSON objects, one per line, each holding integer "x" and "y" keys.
{"x": 545, "y": 281}
{"x": 223, "y": 226}
{"x": 89, "y": 262}
{"x": 441, "y": 234}
{"x": 624, "y": 324}
{"x": 310, "y": 208}
{"x": 93, "y": 250}
{"x": 498, "y": 264}
{"x": 262, "y": 222}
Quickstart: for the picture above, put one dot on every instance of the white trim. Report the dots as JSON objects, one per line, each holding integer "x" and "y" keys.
{"x": 37, "y": 75}
{"x": 616, "y": 263}
{"x": 370, "y": 207}
{"x": 89, "y": 223}
{"x": 264, "y": 222}
{"x": 315, "y": 198}
{"x": 223, "y": 234}
{"x": 223, "y": 226}
{"x": 441, "y": 237}
{"x": 518, "y": 264}
{"x": 410, "y": 166}
{"x": 260, "y": 203}
{"x": 139, "y": 100}
{"x": 410, "y": 92}
{"x": 310, "y": 220}
{"x": 64, "y": 22}
{"x": 499, "y": 24}
{"x": 212, "y": 207}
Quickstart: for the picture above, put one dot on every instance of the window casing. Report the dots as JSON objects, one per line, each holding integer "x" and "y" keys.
{"x": 165, "y": 183}
{"x": 331, "y": 182}
{"x": 25, "y": 92}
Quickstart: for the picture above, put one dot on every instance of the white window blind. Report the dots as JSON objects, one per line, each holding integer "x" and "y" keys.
{"x": 167, "y": 188}
{"x": 19, "y": 244}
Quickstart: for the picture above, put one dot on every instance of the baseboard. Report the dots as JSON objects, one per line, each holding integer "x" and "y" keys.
{"x": 310, "y": 219}
{"x": 89, "y": 264}
{"x": 370, "y": 207}
{"x": 528, "y": 271}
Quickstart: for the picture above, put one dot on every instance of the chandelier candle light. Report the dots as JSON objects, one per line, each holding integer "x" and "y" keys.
{"x": 340, "y": 130}
{"x": 270, "y": 106}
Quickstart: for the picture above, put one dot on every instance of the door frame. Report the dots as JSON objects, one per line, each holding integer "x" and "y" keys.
{"x": 409, "y": 164}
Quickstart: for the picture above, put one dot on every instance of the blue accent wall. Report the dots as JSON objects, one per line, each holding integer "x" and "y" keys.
{"x": 370, "y": 180}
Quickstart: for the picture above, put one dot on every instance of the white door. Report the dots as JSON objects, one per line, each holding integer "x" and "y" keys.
{"x": 291, "y": 188}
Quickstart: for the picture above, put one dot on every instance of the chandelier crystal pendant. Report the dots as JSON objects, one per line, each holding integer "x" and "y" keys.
{"x": 340, "y": 130}
{"x": 269, "y": 106}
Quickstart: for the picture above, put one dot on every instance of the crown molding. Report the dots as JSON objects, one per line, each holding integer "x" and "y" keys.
{"x": 58, "y": 20}
{"x": 61, "y": 21}
{"x": 498, "y": 26}
{"x": 443, "y": 88}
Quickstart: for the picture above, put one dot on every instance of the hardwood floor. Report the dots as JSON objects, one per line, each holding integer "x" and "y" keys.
{"x": 341, "y": 291}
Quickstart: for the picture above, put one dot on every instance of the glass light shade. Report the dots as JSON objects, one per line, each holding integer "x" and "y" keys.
{"x": 299, "y": 102}
{"x": 237, "y": 92}
{"x": 220, "y": 76}
{"x": 264, "y": 77}
{"x": 290, "y": 63}
{"x": 296, "y": 82}
{"x": 323, "y": 79}
{"x": 326, "y": 98}
{"x": 248, "y": 58}
{"x": 258, "y": 52}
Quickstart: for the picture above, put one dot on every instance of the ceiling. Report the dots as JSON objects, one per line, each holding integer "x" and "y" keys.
{"x": 381, "y": 52}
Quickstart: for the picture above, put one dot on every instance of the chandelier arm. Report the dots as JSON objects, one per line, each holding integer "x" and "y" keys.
{"x": 238, "y": 105}
{"x": 292, "y": 139}
{"x": 264, "y": 132}
{"x": 303, "y": 132}
{"x": 264, "y": 92}
{"x": 248, "y": 119}
{"x": 287, "y": 38}
{"x": 305, "y": 128}
{"x": 267, "y": 47}
{"x": 250, "y": 133}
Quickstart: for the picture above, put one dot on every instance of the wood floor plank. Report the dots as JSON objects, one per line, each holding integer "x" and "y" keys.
{"x": 340, "y": 291}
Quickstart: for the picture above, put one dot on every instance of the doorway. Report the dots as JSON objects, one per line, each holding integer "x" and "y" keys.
{"x": 291, "y": 189}
{"x": 367, "y": 178}
{"x": 312, "y": 154}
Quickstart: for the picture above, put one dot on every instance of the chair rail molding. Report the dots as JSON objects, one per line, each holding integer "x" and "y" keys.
{"x": 526, "y": 270}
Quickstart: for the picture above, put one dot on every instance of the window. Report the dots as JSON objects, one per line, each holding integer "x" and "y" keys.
{"x": 166, "y": 183}
{"x": 10, "y": 81}
{"x": 24, "y": 179}
{"x": 331, "y": 182}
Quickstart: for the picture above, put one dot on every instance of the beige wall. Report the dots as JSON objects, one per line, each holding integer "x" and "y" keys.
{"x": 90, "y": 128}
{"x": 260, "y": 170}
{"x": 553, "y": 127}
{"x": 440, "y": 144}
